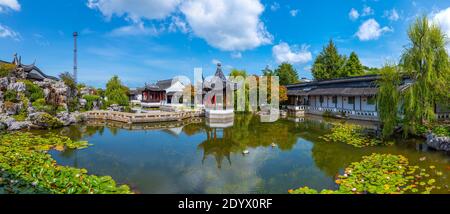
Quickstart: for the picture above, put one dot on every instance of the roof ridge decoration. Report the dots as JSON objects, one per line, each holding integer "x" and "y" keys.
{"x": 219, "y": 73}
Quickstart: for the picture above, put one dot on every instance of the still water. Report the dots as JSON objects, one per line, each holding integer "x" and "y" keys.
{"x": 195, "y": 157}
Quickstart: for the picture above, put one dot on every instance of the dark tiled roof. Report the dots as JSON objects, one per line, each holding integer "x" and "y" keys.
{"x": 335, "y": 91}
{"x": 152, "y": 87}
{"x": 164, "y": 84}
{"x": 367, "y": 78}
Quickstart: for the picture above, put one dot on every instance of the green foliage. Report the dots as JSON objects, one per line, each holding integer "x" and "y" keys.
{"x": 68, "y": 80}
{"x": 10, "y": 96}
{"x": 46, "y": 120}
{"x": 388, "y": 99}
{"x": 20, "y": 117}
{"x": 6, "y": 69}
{"x": 268, "y": 72}
{"x": 352, "y": 67}
{"x": 33, "y": 91}
{"x": 329, "y": 63}
{"x": 116, "y": 93}
{"x": 26, "y": 167}
{"x": 303, "y": 190}
{"x": 427, "y": 64}
{"x": 379, "y": 174}
{"x": 90, "y": 99}
{"x": 442, "y": 130}
{"x": 236, "y": 73}
{"x": 41, "y": 106}
{"x": 371, "y": 71}
{"x": 287, "y": 74}
{"x": 100, "y": 92}
{"x": 350, "y": 134}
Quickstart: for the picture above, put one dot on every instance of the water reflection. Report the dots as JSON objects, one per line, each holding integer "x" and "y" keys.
{"x": 194, "y": 157}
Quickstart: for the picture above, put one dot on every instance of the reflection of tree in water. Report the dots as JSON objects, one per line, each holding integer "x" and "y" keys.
{"x": 252, "y": 133}
{"x": 113, "y": 130}
{"x": 247, "y": 132}
{"x": 219, "y": 146}
{"x": 194, "y": 128}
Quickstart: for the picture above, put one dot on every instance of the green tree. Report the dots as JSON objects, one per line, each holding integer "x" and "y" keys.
{"x": 426, "y": 62}
{"x": 352, "y": 67}
{"x": 388, "y": 98}
{"x": 329, "y": 63}
{"x": 287, "y": 74}
{"x": 69, "y": 81}
{"x": 116, "y": 93}
{"x": 268, "y": 72}
{"x": 236, "y": 72}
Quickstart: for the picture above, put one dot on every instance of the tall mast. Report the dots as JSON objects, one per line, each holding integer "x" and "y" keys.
{"x": 75, "y": 62}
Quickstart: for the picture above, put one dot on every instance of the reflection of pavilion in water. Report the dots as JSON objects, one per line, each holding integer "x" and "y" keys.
{"x": 220, "y": 144}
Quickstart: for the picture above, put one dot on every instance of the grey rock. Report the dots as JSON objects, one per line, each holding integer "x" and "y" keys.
{"x": 6, "y": 119}
{"x": 4, "y": 82}
{"x": 15, "y": 126}
{"x": 438, "y": 142}
{"x": 18, "y": 86}
{"x": 67, "y": 118}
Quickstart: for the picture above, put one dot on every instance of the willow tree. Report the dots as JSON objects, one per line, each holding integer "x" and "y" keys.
{"x": 426, "y": 62}
{"x": 388, "y": 98}
{"x": 116, "y": 92}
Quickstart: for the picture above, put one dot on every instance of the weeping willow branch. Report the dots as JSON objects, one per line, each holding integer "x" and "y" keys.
{"x": 388, "y": 98}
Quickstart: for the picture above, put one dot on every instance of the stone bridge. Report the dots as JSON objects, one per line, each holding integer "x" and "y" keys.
{"x": 151, "y": 117}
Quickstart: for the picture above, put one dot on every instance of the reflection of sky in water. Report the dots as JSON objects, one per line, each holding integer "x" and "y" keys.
{"x": 162, "y": 161}
{"x": 158, "y": 162}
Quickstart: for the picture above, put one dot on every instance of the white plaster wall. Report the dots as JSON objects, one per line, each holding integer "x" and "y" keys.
{"x": 366, "y": 106}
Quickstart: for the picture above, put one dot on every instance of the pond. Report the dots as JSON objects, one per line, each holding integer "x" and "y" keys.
{"x": 194, "y": 157}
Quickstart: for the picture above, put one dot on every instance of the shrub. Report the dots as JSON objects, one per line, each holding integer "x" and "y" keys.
{"x": 443, "y": 130}
{"x": 33, "y": 91}
{"x": 6, "y": 69}
{"x": 90, "y": 99}
{"x": 46, "y": 120}
{"x": 24, "y": 159}
{"x": 10, "y": 96}
{"x": 41, "y": 106}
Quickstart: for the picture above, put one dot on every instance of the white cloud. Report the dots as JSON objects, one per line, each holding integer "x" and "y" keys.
{"x": 353, "y": 14}
{"x": 178, "y": 24}
{"x": 371, "y": 30}
{"x": 6, "y": 32}
{"x": 284, "y": 53}
{"x": 391, "y": 15}
{"x": 230, "y": 25}
{"x": 136, "y": 29}
{"x": 9, "y": 4}
{"x": 216, "y": 61}
{"x": 293, "y": 13}
{"x": 367, "y": 11}
{"x": 442, "y": 18}
{"x": 135, "y": 10}
{"x": 236, "y": 55}
{"x": 274, "y": 6}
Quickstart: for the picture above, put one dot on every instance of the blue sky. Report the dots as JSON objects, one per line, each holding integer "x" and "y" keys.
{"x": 148, "y": 40}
